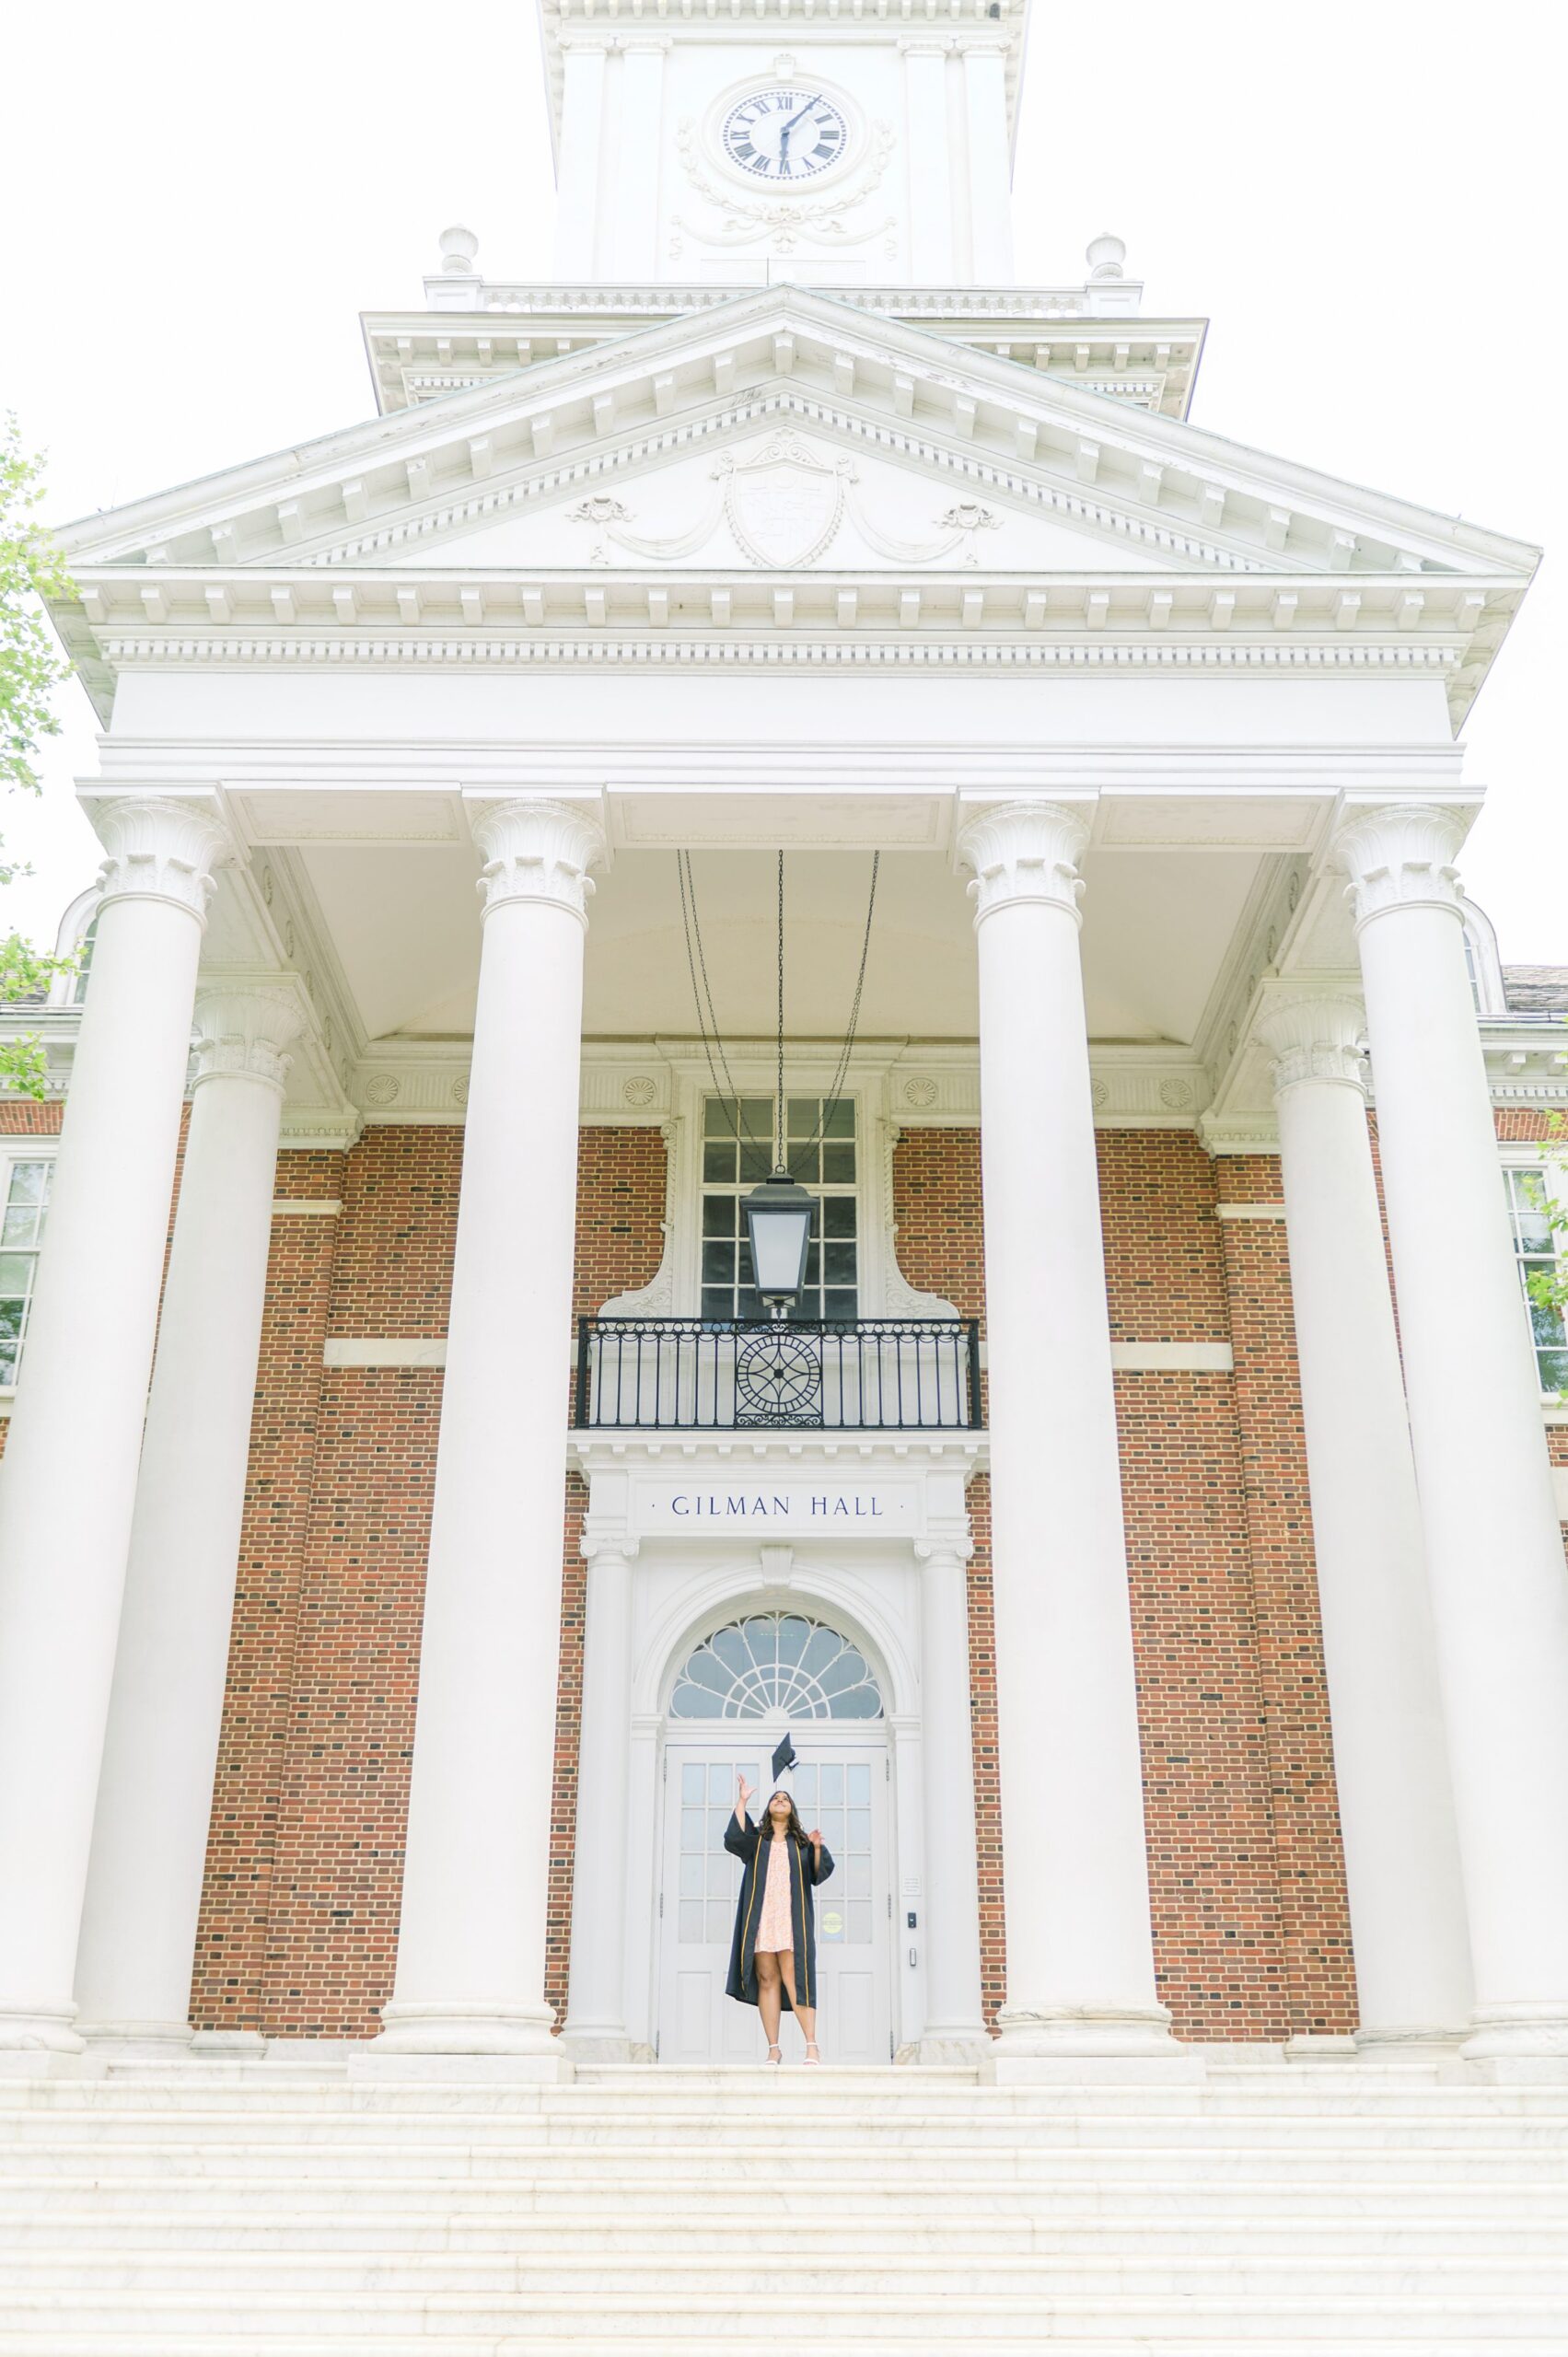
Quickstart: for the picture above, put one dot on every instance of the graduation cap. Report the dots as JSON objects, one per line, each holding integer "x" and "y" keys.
{"x": 783, "y": 1767}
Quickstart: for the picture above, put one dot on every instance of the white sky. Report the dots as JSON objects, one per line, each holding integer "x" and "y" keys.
{"x": 1363, "y": 196}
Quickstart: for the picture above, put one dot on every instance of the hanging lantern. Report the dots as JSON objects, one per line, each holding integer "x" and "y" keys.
{"x": 778, "y": 1221}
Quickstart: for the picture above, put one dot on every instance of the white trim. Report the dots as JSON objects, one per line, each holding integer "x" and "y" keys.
{"x": 301, "y": 1207}
{"x": 1249, "y": 1211}
{"x": 1172, "y": 1358}
{"x": 418, "y": 1351}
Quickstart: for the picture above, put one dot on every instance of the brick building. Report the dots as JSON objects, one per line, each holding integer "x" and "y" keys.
{"x": 1145, "y": 1520}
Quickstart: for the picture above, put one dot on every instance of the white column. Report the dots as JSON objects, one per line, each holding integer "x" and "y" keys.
{"x": 640, "y": 145}
{"x": 165, "y": 1709}
{"x": 471, "y": 1946}
{"x": 1080, "y": 1954}
{"x": 1493, "y": 1547}
{"x": 69, "y": 1476}
{"x": 929, "y": 261}
{"x": 1407, "y": 1903}
{"x": 990, "y": 163}
{"x": 578, "y": 152}
{"x": 596, "y": 2004}
{"x": 949, "y": 1912}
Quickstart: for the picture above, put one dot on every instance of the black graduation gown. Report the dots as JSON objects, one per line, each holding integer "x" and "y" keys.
{"x": 806, "y": 1870}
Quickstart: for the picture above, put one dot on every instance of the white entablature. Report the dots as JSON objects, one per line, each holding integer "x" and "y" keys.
{"x": 775, "y": 463}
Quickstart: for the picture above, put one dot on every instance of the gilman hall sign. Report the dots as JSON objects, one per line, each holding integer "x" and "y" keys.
{"x": 871, "y": 1508}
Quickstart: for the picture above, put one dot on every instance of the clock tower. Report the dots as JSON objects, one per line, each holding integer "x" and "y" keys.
{"x": 854, "y": 147}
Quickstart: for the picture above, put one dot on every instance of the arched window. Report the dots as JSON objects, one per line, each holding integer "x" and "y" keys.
{"x": 773, "y": 1662}
{"x": 79, "y": 979}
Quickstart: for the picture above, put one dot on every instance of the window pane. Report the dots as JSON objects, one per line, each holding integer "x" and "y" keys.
{"x": 719, "y": 1162}
{"x": 838, "y": 1217}
{"x": 718, "y": 1264}
{"x": 840, "y": 1122}
{"x": 691, "y": 1784}
{"x": 838, "y": 1165}
{"x": 720, "y": 1213}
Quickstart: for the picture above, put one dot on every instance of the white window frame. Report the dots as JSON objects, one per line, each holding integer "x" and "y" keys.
{"x": 677, "y": 1291}
{"x": 15, "y": 1148}
{"x": 1550, "y": 1161}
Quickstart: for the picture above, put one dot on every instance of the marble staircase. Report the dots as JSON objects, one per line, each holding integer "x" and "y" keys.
{"x": 283, "y": 2209}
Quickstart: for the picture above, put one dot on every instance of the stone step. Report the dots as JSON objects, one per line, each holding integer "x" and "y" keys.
{"x": 1071, "y": 2195}
{"x": 729, "y": 2320}
{"x": 835, "y": 2165}
{"x": 713, "y": 2233}
{"x": 735, "y": 2270}
{"x": 111, "y": 2340}
{"x": 762, "y": 2123}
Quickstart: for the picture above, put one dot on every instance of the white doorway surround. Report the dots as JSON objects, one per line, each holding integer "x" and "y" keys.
{"x": 842, "y": 1787}
{"x": 862, "y": 1540}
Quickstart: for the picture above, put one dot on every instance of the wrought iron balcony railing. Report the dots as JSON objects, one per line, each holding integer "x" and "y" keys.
{"x": 695, "y": 1374}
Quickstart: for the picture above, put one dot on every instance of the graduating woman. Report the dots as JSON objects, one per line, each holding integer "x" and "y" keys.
{"x": 773, "y": 1959}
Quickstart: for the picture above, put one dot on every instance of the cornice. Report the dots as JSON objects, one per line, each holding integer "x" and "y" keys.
{"x": 482, "y": 331}
{"x": 989, "y": 413}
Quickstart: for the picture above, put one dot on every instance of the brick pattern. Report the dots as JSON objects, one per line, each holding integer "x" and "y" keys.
{"x": 1228, "y": 1742}
{"x": 1309, "y": 1855}
{"x": 299, "y": 1927}
{"x": 299, "y": 1922}
{"x": 259, "y": 1702}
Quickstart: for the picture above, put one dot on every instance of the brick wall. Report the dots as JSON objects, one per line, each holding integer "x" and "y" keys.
{"x": 299, "y": 1927}
{"x": 298, "y": 1920}
{"x": 1246, "y": 1877}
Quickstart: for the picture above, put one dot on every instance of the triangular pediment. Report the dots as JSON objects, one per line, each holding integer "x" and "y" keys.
{"x": 767, "y": 489}
{"x": 1086, "y": 473}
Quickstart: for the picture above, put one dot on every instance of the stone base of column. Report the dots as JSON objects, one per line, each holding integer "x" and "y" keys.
{"x": 597, "y": 2045}
{"x": 514, "y": 2041}
{"x": 949, "y": 2048}
{"x": 34, "y": 2034}
{"x": 1087, "y": 2043}
{"x": 1417, "y": 2043}
{"x": 1519, "y": 2043}
{"x": 149, "y": 2041}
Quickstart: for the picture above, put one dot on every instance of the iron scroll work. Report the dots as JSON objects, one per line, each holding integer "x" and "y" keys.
{"x": 786, "y": 1375}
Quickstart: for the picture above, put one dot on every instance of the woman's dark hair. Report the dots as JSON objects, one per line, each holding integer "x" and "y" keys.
{"x": 794, "y": 1826}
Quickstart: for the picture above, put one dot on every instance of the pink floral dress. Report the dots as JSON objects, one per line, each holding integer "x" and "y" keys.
{"x": 776, "y": 1931}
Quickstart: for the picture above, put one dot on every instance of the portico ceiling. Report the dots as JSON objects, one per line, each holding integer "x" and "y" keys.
{"x": 404, "y": 928}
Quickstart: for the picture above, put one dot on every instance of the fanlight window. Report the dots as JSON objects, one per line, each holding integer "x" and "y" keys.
{"x": 773, "y": 1662}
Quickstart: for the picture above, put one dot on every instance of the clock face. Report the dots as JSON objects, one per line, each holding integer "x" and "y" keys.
{"x": 784, "y": 134}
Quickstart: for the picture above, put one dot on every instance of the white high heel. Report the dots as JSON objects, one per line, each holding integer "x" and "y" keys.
{"x": 775, "y": 2056}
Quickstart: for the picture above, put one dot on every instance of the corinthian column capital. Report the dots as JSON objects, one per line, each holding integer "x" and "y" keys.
{"x": 1314, "y": 1035}
{"x": 160, "y": 848}
{"x": 244, "y": 1033}
{"x": 538, "y": 851}
{"x": 1402, "y": 856}
{"x": 1025, "y": 851}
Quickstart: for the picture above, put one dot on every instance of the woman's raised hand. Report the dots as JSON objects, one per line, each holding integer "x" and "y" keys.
{"x": 743, "y": 1792}
{"x": 815, "y": 1840}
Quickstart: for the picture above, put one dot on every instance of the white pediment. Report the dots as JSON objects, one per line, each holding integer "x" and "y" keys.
{"x": 782, "y": 500}
{"x": 1080, "y": 471}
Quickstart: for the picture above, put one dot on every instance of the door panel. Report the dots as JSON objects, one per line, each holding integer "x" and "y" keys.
{"x": 841, "y": 1789}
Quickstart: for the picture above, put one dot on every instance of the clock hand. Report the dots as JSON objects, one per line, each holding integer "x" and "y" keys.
{"x": 803, "y": 112}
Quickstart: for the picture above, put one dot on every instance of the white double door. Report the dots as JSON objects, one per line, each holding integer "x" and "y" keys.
{"x": 842, "y": 1790}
